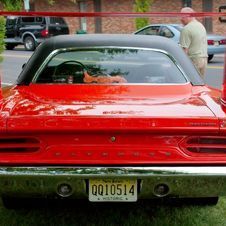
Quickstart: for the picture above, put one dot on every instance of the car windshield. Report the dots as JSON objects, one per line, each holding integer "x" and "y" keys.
{"x": 110, "y": 65}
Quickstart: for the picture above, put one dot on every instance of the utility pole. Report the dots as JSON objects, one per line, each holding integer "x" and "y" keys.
{"x": 26, "y": 5}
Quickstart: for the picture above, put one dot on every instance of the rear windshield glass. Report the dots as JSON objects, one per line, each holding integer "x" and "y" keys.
{"x": 28, "y": 19}
{"x": 33, "y": 20}
{"x": 111, "y": 65}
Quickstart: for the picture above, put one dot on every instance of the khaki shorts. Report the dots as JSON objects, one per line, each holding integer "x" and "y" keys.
{"x": 200, "y": 64}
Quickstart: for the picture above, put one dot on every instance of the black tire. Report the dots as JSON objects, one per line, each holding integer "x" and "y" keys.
{"x": 208, "y": 201}
{"x": 203, "y": 201}
{"x": 210, "y": 57}
{"x": 10, "y": 46}
{"x": 29, "y": 43}
{"x": 10, "y": 203}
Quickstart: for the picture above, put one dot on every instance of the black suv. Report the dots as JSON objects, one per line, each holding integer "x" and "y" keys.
{"x": 31, "y": 31}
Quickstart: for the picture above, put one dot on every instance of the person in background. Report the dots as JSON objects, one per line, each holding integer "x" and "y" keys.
{"x": 193, "y": 40}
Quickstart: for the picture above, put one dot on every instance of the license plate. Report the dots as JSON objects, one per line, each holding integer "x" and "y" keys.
{"x": 112, "y": 190}
{"x": 216, "y": 43}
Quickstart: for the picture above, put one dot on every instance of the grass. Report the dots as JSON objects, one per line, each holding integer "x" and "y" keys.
{"x": 73, "y": 214}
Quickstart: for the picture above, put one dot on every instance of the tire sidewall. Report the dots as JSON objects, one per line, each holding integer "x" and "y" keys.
{"x": 31, "y": 46}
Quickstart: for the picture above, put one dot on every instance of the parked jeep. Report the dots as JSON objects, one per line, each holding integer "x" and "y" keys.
{"x": 31, "y": 31}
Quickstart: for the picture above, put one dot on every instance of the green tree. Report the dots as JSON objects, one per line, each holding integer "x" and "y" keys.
{"x": 2, "y": 35}
{"x": 8, "y": 5}
{"x": 142, "y": 6}
{"x": 12, "y": 5}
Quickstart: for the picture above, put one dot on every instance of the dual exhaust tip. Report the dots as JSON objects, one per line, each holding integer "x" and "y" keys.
{"x": 64, "y": 190}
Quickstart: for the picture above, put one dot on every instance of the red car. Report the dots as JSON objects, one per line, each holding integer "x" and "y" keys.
{"x": 112, "y": 118}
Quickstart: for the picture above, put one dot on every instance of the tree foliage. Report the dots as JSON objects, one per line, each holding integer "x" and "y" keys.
{"x": 12, "y": 5}
{"x": 2, "y": 35}
{"x": 142, "y": 6}
{"x": 8, "y": 5}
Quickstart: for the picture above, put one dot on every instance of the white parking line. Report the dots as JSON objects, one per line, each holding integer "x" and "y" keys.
{"x": 6, "y": 84}
{"x": 16, "y": 56}
{"x": 215, "y": 67}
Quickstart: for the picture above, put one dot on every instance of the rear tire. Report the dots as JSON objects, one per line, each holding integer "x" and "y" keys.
{"x": 10, "y": 46}
{"x": 29, "y": 43}
{"x": 203, "y": 201}
{"x": 10, "y": 203}
{"x": 208, "y": 201}
{"x": 210, "y": 57}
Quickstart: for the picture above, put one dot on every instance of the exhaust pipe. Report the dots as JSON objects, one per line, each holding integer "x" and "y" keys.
{"x": 64, "y": 190}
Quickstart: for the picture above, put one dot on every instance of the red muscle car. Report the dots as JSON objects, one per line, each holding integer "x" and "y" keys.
{"x": 112, "y": 118}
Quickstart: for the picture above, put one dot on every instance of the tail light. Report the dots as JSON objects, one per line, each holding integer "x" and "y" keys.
{"x": 222, "y": 42}
{"x": 211, "y": 145}
{"x": 19, "y": 145}
{"x": 210, "y": 42}
{"x": 44, "y": 33}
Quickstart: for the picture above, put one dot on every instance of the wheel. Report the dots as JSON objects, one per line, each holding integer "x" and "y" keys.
{"x": 10, "y": 46}
{"x": 11, "y": 202}
{"x": 29, "y": 43}
{"x": 210, "y": 57}
{"x": 207, "y": 201}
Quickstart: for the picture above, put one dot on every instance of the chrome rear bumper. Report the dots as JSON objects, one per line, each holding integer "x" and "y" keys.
{"x": 181, "y": 181}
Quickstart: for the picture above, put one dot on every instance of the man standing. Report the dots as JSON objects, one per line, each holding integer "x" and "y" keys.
{"x": 193, "y": 40}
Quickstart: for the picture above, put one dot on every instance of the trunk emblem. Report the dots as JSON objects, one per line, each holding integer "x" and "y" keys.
{"x": 113, "y": 139}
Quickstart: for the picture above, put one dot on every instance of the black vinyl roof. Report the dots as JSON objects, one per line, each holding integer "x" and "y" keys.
{"x": 110, "y": 40}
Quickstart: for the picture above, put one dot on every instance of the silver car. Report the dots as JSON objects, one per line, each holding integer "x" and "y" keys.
{"x": 216, "y": 43}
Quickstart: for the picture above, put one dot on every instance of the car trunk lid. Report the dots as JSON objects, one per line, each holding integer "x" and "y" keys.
{"x": 104, "y": 107}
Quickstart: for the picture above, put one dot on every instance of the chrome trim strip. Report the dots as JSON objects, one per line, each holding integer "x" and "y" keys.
{"x": 223, "y": 102}
{"x": 43, "y": 65}
{"x": 122, "y": 84}
{"x": 57, "y": 51}
{"x": 116, "y": 171}
{"x": 181, "y": 181}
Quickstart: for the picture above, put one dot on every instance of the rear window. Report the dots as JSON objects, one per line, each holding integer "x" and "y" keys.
{"x": 57, "y": 20}
{"x": 33, "y": 20}
{"x": 111, "y": 65}
{"x": 178, "y": 27}
{"x": 153, "y": 30}
{"x": 27, "y": 19}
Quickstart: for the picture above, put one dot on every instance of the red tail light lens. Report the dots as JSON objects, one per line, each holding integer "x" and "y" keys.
{"x": 211, "y": 145}
{"x": 210, "y": 42}
{"x": 19, "y": 145}
{"x": 222, "y": 42}
{"x": 44, "y": 33}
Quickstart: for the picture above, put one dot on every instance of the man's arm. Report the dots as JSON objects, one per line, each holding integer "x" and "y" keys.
{"x": 185, "y": 50}
{"x": 185, "y": 40}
